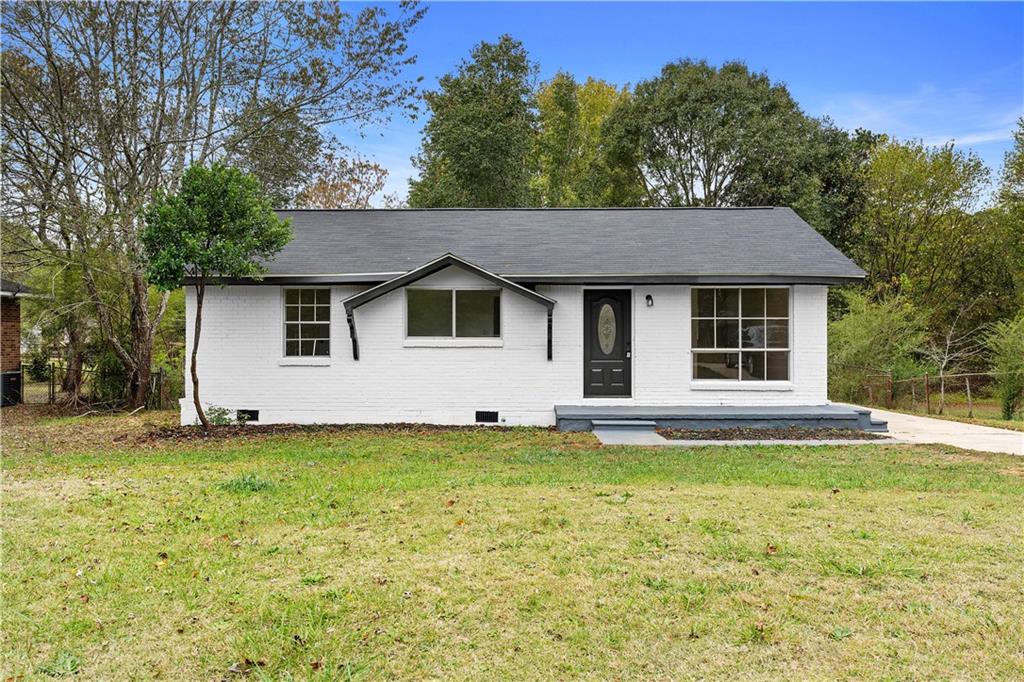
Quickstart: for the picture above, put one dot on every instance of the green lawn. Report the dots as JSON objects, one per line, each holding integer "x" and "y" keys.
{"x": 502, "y": 554}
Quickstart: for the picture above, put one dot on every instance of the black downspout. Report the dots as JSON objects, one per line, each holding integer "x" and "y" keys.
{"x": 352, "y": 332}
{"x": 549, "y": 335}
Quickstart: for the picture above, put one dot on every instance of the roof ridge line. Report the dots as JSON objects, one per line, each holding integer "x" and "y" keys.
{"x": 533, "y": 209}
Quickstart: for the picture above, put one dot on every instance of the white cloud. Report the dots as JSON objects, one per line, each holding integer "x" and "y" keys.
{"x": 1002, "y": 134}
{"x": 983, "y": 112}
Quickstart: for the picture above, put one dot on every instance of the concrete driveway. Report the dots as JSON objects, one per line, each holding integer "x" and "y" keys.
{"x": 927, "y": 430}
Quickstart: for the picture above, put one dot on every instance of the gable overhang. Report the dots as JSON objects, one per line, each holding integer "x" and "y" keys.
{"x": 427, "y": 269}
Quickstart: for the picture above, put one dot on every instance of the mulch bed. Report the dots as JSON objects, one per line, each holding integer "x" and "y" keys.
{"x": 780, "y": 433}
{"x": 196, "y": 433}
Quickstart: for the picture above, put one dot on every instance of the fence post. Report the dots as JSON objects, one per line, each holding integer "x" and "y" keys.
{"x": 50, "y": 394}
{"x": 927, "y": 397}
{"x": 970, "y": 404}
{"x": 160, "y": 389}
{"x": 892, "y": 399}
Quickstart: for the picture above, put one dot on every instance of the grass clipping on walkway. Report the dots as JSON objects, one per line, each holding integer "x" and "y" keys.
{"x": 503, "y": 554}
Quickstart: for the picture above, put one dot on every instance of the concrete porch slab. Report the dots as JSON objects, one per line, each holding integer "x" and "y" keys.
{"x": 832, "y": 416}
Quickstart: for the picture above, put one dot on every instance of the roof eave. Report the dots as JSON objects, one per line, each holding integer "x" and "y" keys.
{"x": 374, "y": 279}
{"x": 775, "y": 279}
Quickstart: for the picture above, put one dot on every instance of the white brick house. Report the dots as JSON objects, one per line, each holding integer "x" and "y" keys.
{"x": 465, "y": 316}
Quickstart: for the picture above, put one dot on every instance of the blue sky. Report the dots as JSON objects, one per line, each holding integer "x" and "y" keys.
{"x": 935, "y": 71}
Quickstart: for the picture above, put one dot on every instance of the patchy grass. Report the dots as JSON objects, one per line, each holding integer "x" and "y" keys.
{"x": 501, "y": 554}
{"x": 1011, "y": 424}
{"x": 994, "y": 421}
{"x": 246, "y": 483}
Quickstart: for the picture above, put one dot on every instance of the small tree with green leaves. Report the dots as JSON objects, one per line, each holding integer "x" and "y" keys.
{"x": 1005, "y": 341}
{"x": 219, "y": 224}
{"x": 871, "y": 337}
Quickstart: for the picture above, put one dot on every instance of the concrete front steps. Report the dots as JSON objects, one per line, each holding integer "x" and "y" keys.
{"x": 626, "y": 431}
{"x": 637, "y": 418}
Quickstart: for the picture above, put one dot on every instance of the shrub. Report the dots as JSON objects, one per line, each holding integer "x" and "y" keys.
{"x": 1005, "y": 341}
{"x": 108, "y": 386}
{"x": 883, "y": 336}
{"x": 218, "y": 416}
{"x": 173, "y": 384}
{"x": 38, "y": 368}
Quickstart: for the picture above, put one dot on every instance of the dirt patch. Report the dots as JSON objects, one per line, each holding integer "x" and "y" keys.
{"x": 34, "y": 429}
{"x": 20, "y": 415}
{"x": 779, "y": 433}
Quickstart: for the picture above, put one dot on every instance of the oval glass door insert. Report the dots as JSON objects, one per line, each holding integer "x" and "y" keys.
{"x": 606, "y": 329}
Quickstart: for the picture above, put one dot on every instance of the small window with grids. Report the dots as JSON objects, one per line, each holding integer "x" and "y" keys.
{"x": 307, "y": 322}
{"x": 740, "y": 334}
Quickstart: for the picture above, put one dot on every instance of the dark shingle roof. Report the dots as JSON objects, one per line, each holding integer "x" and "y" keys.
{"x": 545, "y": 244}
{"x": 9, "y": 286}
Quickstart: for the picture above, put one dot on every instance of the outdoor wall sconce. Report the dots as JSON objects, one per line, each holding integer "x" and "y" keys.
{"x": 650, "y": 301}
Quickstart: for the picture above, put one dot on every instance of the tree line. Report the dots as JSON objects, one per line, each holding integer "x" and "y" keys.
{"x": 98, "y": 121}
{"x": 943, "y": 253}
{"x": 106, "y": 104}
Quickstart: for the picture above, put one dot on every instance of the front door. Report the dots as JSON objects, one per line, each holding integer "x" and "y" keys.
{"x": 607, "y": 339}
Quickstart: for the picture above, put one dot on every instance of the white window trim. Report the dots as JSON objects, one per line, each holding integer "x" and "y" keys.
{"x": 454, "y": 341}
{"x": 305, "y": 360}
{"x": 740, "y": 384}
{"x": 737, "y": 385}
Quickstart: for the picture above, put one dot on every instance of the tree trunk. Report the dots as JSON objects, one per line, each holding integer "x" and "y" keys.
{"x": 142, "y": 342}
{"x": 200, "y": 290}
{"x": 71, "y": 383}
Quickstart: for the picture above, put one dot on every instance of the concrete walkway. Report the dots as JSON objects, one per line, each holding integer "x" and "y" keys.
{"x": 914, "y": 429}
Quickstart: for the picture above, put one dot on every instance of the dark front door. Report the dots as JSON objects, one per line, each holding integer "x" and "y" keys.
{"x": 606, "y": 343}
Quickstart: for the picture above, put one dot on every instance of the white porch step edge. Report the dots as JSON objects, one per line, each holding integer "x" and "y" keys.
{"x": 623, "y": 424}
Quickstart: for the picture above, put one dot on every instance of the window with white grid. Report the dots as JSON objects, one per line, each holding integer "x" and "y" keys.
{"x": 740, "y": 333}
{"x": 307, "y": 322}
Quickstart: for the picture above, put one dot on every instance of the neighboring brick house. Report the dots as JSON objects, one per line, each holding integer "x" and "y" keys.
{"x": 10, "y": 339}
{"x": 531, "y": 317}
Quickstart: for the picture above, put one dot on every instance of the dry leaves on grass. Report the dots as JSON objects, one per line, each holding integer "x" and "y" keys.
{"x": 249, "y": 431}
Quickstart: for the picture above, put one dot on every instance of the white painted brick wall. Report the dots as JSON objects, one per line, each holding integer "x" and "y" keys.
{"x": 241, "y": 363}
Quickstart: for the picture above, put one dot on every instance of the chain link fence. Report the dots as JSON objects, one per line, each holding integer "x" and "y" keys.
{"x": 57, "y": 384}
{"x": 970, "y": 394}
